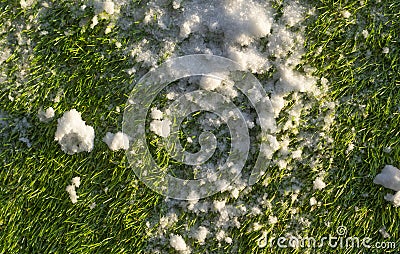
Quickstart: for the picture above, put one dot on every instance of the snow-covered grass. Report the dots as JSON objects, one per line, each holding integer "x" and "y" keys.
{"x": 56, "y": 54}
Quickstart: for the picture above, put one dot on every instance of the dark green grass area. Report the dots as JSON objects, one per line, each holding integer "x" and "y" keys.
{"x": 85, "y": 69}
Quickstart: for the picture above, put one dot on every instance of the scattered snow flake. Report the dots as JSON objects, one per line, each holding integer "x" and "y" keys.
{"x": 200, "y": 234}
{"x": 72, "y": 193}
{"x": 395, "y": 199}
{"x": 26, "y": 3}
{"x": 108, "y": 7}
{"x": 365, "y": 33}
{"x": 95, "y": 21}
{"x": 228, "y": 240}
{"x": 385, "y": 50}
{"x": 272, "y": 219}
{"x": 319, "y": 184}
{"x": 92, "y": 205}
{"x": 313, "y": 201}
{"x": 46, "y": 115}
{"x": 26, "y": 141}
{"x": 76, "y": 181}
{"x": 346, "y": 14}
{"x": 384, "y": 233}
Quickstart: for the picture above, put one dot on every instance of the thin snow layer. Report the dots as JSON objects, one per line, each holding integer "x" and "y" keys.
{"x": 256, "y": 36}
{"x": 389, "y": 178}
{"x": 73, "y": 134}
{"x": 117, "y": 141}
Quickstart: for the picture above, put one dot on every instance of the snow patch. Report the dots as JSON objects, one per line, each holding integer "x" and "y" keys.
{"x": 73, "y": 134}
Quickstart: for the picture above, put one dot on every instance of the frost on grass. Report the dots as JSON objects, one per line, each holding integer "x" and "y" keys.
{"x": 73, "y": 134}
{"x": 75, "y": 182}
{"x": 117, "y": 141}
{"x": 390, "y": 178}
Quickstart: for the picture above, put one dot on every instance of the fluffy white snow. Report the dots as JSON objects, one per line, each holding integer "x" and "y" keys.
{"x": 209, "y": 83}
{"x": 272, "y": 219}
{"x": 346, "y": 14}
{"x": 389, "y": 178}
{"x": 177, "y": 242}
{"x": 313, "y": 201}
{"x": 200, "y": 234}
{"x": 104, "y": 6}
{"x": 385, "y": 50}
{"x": 156, "y": 114}
{"x": 293, "y": 13}
{"x": 46, "y": 115}
{"x": 161, "y": 127}
{"x": 395, "y": 199}
{"x": 319, "y": 184}
{"x": 117, "y": 141}
{"x": 73, "y": 134}
{"x": 75, "y": 182}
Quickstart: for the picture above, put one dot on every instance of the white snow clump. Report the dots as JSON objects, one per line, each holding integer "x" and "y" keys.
{"x": 46, "y": 115}
{"x": 390, "y": 178}
{"x": 319, "y": 184}
{"x": 161, "y": 127}
{"x": 200, "y": 234}
{"x": 177, "y": 242}
{"x": 76, "y": 181}
{"x": 117, "y": 141}
{"x": 73, "y": 134}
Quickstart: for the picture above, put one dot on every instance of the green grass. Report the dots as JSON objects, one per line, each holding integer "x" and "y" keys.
{"x": 84, "y": 67}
